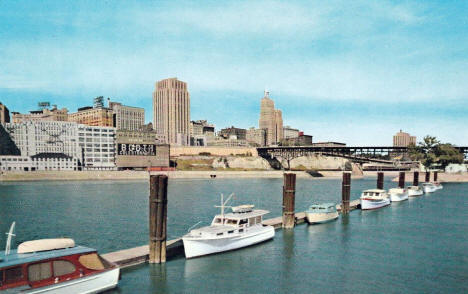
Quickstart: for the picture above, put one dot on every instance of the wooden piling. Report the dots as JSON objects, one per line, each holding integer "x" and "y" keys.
{"x": 158, "y": 218}
{"x": 435, "y": 176}
{"x": 380, "y": 180}
{"x": 401, "y": 180}
{"x": 428, "y": 176}
{"x": 416, "y": 178}
{"x": 345, "y": 192}
{"x": 289, "y": 194}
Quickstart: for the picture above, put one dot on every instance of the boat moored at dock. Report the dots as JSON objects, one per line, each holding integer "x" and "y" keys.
{"x": 374, "y": 198}
{"x": 241, "y": 228}
{"x": 438, "y": 185}
{"x": 428, "y": 187}
{"x": 321, "y": 213}
{"x": 398, "y": 194}
{"x": 55, "y": 266}
{"x": 415, "y": 191}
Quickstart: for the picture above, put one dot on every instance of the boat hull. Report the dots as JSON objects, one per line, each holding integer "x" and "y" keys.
{"x": 85, "y": 285}
{"x": 414, "y": 193}
{"x": 195, "y": 247}
{"x": 320, "y": 218}
{"x": 429, "y": 189}
{"x": 374, "y": 204}
{"x": 397, "y": 197}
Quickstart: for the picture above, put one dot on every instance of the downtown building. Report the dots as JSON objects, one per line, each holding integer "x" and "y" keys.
{"x": 127, "y": 117}
{"x": 402, "y": 139}
{"x": 4, "y": 114}
{"x": 57, "y": 145}
{"x": 171, "y": 111}
{"x": 201, "y": 132}
{"x": 45, "y": 114}
{"x": 271, "y": 120}
{"x": 256, "y": 137}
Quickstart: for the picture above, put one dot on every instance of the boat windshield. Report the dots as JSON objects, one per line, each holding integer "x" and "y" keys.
{"x": 231, "y": 222}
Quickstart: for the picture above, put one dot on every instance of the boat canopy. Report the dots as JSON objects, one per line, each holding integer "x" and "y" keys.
{"x": 45, "y": 245}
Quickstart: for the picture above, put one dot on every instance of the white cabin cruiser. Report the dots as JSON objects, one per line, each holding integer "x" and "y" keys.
{"x": 321, "y": 213}
{"x": 241, "y": 228}
{"x": 415, "y": 191}
{"x": 429, "y": 187}
{"x": 398, "y": 194}
{"x": 374, "y": 198}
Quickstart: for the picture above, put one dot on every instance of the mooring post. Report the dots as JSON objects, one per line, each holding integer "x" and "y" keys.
{"x": 435, "y": 176}
{"x": 345, "y": 192}
{"x": 428, "y": 176}
{"x": 289, "y": 194}
{"x": 401, "y": 180}
{"x": 416, "y": 178}
{"x": 157, "y": 218}
{"x": 380, "y": 180}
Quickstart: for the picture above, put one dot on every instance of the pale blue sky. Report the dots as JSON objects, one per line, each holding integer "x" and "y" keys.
{"x": 352, "y": 71}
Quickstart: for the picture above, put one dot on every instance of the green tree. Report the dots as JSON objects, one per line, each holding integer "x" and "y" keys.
{"x": 430, "y": 151}
{"x": 447, "y": 154}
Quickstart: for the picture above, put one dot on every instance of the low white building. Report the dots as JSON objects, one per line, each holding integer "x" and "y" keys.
{"x": 37, "y": 163}
{"x": 98, "y": 147}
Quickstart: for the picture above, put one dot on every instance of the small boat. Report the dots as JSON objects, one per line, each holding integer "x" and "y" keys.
{"x": 240, "y": 228}
{"x": 321, "y": 213}
{"x": 429, "y": 187}
{"x": 54, "y": 266}
{"x": 415, "y": 191}
{"x": 438, "y": 185}
{"x": 398, "y": 194}
{"x": 374, "y": 198}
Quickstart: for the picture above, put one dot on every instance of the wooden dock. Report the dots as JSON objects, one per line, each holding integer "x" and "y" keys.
{"x": 134, "y": 256}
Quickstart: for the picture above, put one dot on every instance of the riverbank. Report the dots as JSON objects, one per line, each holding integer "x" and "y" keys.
{"x": 143, "y": 175}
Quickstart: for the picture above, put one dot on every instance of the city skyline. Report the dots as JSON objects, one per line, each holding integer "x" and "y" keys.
{"x": 334, "y": 76}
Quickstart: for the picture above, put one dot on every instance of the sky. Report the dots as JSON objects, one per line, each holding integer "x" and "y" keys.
{"x": 347, "y": 71}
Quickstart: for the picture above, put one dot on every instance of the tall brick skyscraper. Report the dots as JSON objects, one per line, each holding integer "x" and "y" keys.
{"x": 271, "y": 120}
{"x": 171, "y": 111}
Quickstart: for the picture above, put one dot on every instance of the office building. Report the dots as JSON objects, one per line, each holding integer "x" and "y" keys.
{"x": 289, "y": 132}
{"x": 233, "y": 132}
{"x": 256, "y": 137}
{"x": 402, "y": 139}
{"x": 171, "y": 111}
{"x": 4, "y": 114}
{"x": 201, "y": 132}
{"x": 127, "y": 117}
{"x": 44, "y": 114}
{"x": 93, "y": 116}
{"x": 271, "y": 120}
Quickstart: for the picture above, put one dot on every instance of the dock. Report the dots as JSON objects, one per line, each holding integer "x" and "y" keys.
{"x": 138, "y": 255}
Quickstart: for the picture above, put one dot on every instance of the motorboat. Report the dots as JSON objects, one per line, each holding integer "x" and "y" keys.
{"x": 54, "y": 266}
{"x": 398, "y": 194}
{"x": 321, "y": 213}
{"x": 428, "y": 187}
{"x": 438, "y": 185}
{"x": 228, "y": 231}
{"x": 415, "y": 191}
{"x": 374, "y": 198}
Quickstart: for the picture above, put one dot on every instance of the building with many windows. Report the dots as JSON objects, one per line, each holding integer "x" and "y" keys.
{"x": 271, "y": 120}
{"x": 127, "y": 117}
{"x": 201, "y": 132}
{"x": 289, "y": 132}
{"x": 91, "y": 147}
{"x": 93, "y": 116}
{"x": 45, "y": 114}
{"x": 256, "y": 137}
{"x": 171, "y": 111}
{"x": 4, "y": 114}
{"x": 233, "y": 132}
{"x": 402, "y": 139}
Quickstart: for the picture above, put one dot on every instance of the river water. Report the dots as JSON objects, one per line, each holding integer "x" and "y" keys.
{"x": 418, "y": 246}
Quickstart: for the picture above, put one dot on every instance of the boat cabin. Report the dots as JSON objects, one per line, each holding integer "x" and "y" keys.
{"x": 373, "y": 192}
{"x": 44, "y": 263}
{"x": 322, "y": 208}
{"x": 239, "y": 219}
